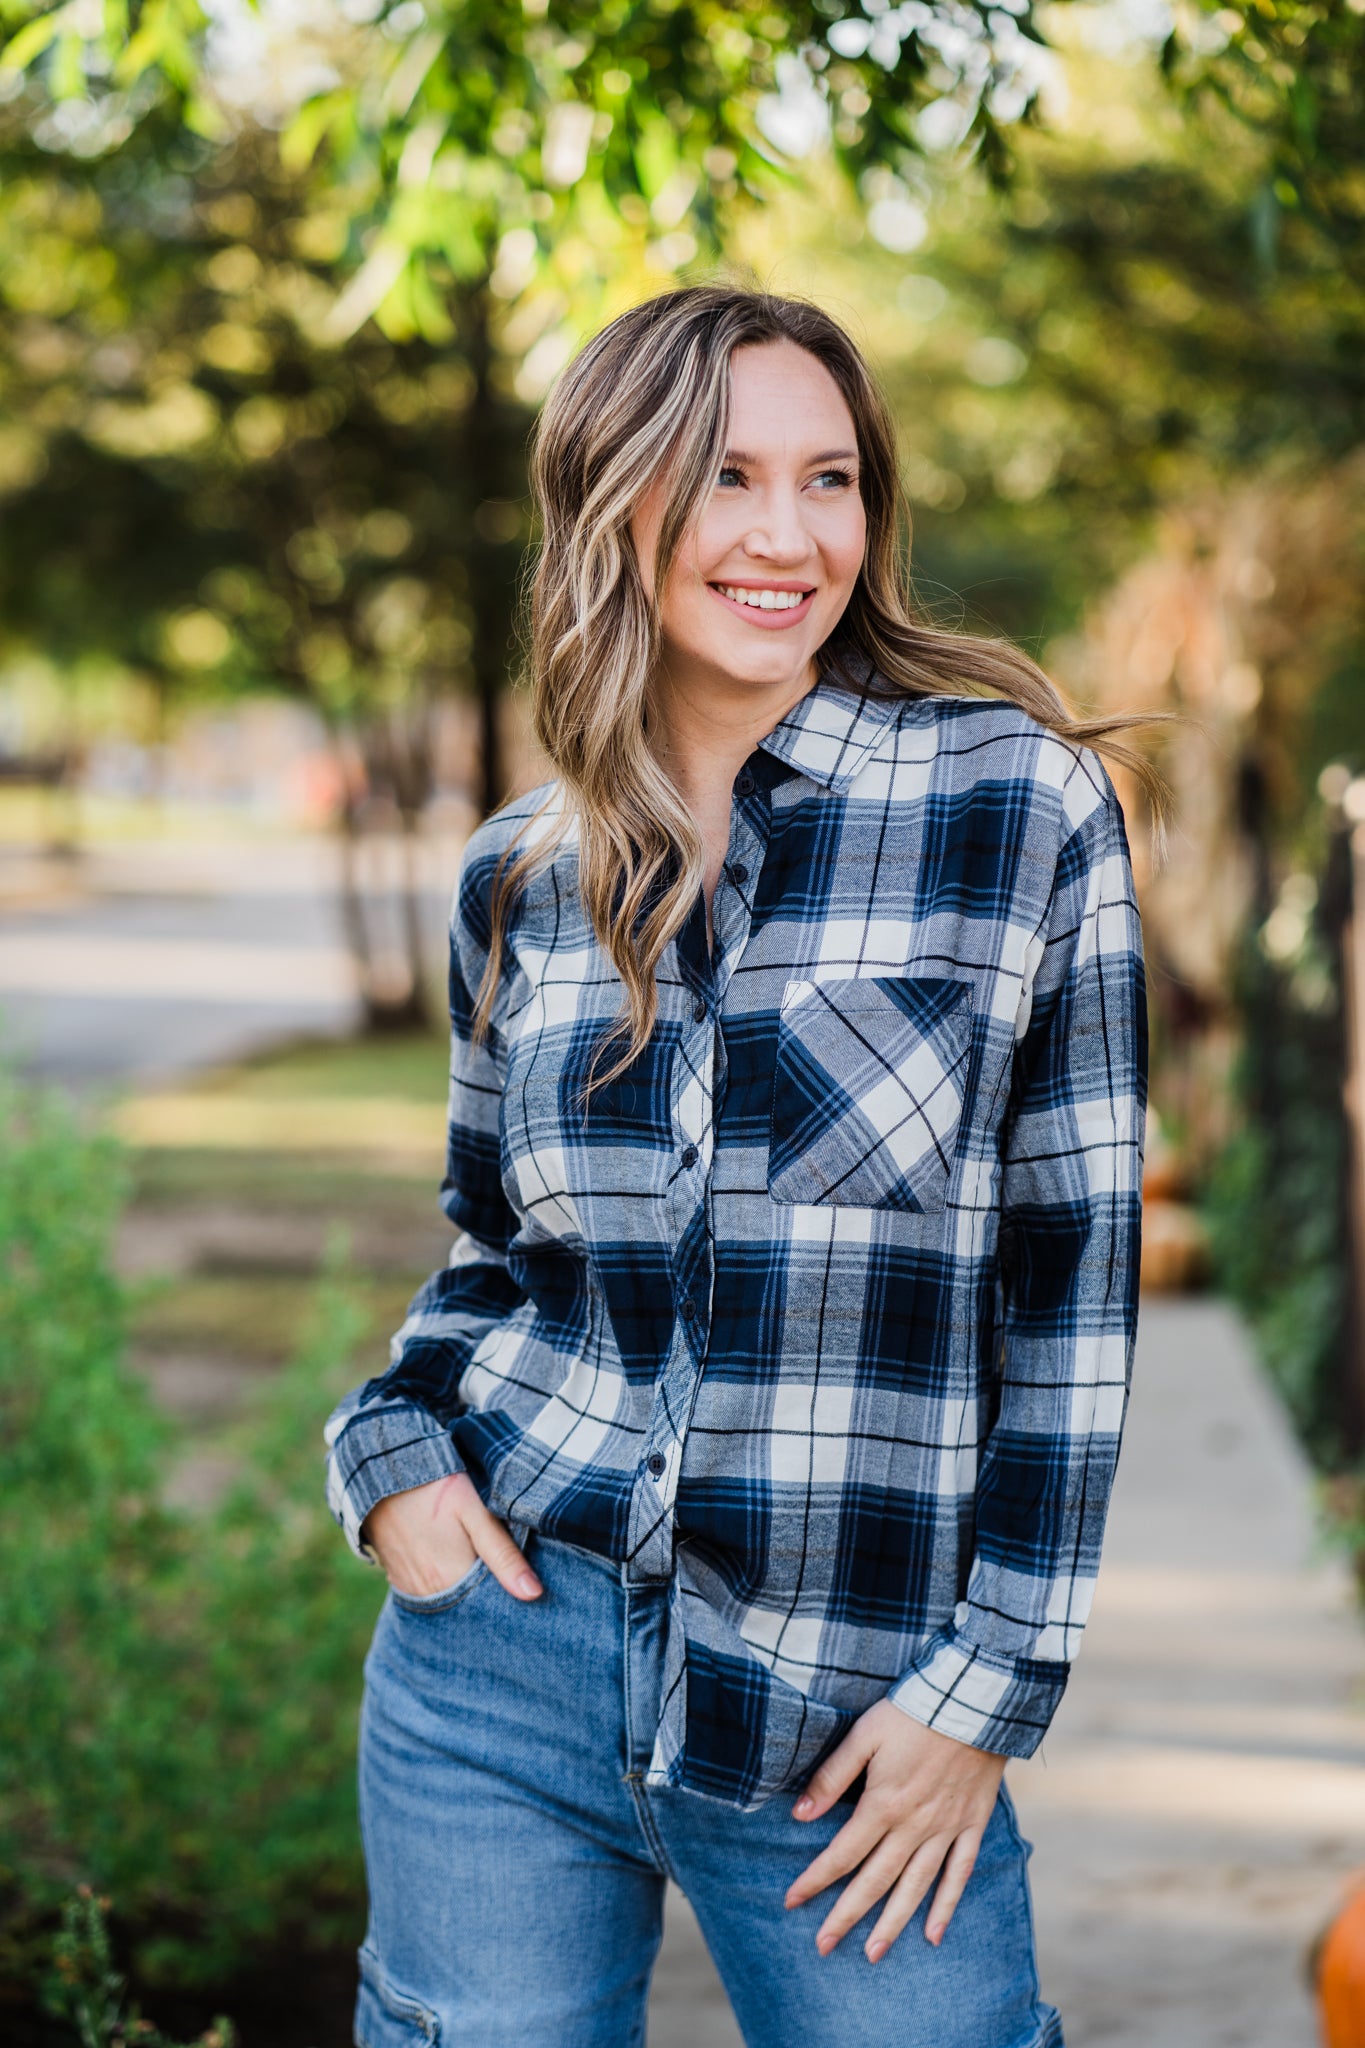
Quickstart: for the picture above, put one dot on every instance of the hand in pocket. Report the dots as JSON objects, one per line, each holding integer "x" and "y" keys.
{"x": 429, "y": 1537}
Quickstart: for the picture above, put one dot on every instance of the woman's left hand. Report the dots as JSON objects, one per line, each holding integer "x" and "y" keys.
{"x": 923, "y": 1812}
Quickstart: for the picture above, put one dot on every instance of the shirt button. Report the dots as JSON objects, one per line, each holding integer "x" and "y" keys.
{"x": 744, "y": 784}
{"x": 688, "y": 1306}
{"x": 739, "y": 873}
{"x": 656, "y": 1465}
{"x": 699, "y": 1012}
{"x": 689, "y": 1157}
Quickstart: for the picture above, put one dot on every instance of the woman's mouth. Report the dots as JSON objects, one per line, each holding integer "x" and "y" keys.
{"x": 766, "y": 604}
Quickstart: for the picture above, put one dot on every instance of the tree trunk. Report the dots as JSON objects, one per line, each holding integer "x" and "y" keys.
{"x": 494, "y": 441}
{"x": 383, "y": 915}
{"x": 382, "y": 810}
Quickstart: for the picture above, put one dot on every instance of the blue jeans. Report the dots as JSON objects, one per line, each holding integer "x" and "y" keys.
{"x": 517, "y": 1862}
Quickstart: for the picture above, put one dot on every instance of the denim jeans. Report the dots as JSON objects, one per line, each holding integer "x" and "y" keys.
{"x": 517, "y": 1861}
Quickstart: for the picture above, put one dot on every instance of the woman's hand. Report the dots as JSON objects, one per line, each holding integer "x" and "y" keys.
{"x": 924, "y": 1810}
{"x": 427, "y": 1538}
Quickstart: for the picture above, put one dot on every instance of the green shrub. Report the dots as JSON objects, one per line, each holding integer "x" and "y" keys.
{"x": 91, "y": 1995}
{"x": 1275, "y": 1201}
{"x": 178, "y": 1694}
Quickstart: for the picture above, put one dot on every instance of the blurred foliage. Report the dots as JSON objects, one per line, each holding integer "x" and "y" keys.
{"x": 1290, "y": 71}
{"x": 177, "y": 1695}
{"x": 615, "y": 132}
{"x": 212, "y": 499}
{"x": 1098, "y": 343}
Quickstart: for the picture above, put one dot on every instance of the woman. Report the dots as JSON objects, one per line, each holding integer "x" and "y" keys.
{"x": 740, "y": 1481}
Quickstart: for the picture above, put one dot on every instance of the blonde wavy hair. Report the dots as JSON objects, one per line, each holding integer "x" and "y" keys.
{"x": 649, "y": 398}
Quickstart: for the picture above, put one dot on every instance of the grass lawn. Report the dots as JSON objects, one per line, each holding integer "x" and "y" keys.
{"x": 241, "y": 1180}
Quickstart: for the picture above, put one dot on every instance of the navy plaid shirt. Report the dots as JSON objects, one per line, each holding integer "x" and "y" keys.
{"x": 824, "y": 1310}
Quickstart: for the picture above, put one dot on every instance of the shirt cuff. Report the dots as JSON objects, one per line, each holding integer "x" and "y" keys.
{"x": 381, "y": 1451}
{"x": 1004, "y": 1705}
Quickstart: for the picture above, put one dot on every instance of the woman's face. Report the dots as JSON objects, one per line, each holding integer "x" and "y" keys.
{"x": 765, "y": 571}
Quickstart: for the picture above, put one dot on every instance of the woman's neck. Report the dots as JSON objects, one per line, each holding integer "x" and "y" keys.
{"x": 705, "y": 728}
{"x": 703, "y": 731}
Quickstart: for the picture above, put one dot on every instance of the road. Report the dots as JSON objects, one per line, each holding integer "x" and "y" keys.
{"x": 152, "y": 959}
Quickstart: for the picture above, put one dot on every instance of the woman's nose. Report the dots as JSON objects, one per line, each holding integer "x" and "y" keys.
{"x": 779, "y": 533}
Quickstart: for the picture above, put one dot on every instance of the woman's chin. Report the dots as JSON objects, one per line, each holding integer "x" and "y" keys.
{"x": 773, "y": 665}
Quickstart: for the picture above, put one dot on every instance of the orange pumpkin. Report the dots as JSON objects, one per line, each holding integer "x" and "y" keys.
{"x": 1341, "y": 1976}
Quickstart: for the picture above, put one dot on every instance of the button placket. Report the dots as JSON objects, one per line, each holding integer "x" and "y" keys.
{"x": 655, "y": 1492}
{"x": 701, "y": 1058}
{"x": 731, "y": 912}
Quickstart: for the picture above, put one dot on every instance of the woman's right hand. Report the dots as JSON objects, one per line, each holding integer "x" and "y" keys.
{"x": 429, "y": 1537}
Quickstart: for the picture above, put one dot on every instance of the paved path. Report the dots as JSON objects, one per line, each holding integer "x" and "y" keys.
{"x": 1202, "y": 1795}
{"x": 143, "y": 960}
{"x": 153, "y": 959}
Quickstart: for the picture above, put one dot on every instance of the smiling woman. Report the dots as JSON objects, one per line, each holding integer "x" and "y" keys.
{"x": 778, "y": 1369}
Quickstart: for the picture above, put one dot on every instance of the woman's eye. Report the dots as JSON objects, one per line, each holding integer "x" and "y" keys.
{"x": 840, "y": 479}
{"x": 730, "y": 478}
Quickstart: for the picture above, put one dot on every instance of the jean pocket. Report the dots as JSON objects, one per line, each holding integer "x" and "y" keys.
{"x": 868, "y": 1091}
{"x": 386, "y": 2017}
{"x": 449, "y": 1596}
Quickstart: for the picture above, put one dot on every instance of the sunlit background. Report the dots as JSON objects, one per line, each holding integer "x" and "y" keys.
{"x": 280, "y": 290}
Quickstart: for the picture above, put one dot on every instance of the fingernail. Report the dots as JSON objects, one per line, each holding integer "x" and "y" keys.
{"x": 933, "y": 1935}
{"x": 824, "y": 1942}
{"x": 804, "y": 1807}
{"x": 876, "y": 1950}
{"x": 527, "y": 1585}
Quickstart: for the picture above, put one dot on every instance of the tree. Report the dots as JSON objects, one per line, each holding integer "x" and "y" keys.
{"x": 243, "y": 280}
{"x": 203, "y": 499}
{"x": 1290, "y": 71}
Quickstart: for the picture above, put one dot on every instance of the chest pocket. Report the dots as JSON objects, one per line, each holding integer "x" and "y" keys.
{"x": 868, "y": 1092}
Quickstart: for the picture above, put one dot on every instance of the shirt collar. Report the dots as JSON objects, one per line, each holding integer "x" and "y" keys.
{"x": 830, "y": 733}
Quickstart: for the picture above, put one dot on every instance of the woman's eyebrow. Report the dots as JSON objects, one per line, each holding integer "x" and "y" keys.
{"x": 737, "y": 455}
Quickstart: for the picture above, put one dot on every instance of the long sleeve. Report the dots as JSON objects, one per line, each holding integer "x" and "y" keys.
{"x": 393, "y": 1432}
{"x": 1069, "y": 1247}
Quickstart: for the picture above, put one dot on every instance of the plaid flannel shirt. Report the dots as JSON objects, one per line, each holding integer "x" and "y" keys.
{"x": 824, "y": 1310}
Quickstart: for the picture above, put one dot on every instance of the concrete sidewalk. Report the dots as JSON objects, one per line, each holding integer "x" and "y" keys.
{"x": 162, "y": 957}
{"x": 1201, "y": 1799}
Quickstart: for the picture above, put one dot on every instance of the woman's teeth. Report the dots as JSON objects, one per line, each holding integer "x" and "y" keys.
{"x": 765, "y": 600}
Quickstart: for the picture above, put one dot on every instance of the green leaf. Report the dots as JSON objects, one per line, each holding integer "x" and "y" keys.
{"x": 68, "y": 68}
{"x": 301, "y": 140}
{"x": 21, "y": 50}
{"x": 656, "y": 154}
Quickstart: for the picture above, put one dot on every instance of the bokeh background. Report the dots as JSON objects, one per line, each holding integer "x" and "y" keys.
{"x": 280, "y": 289}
